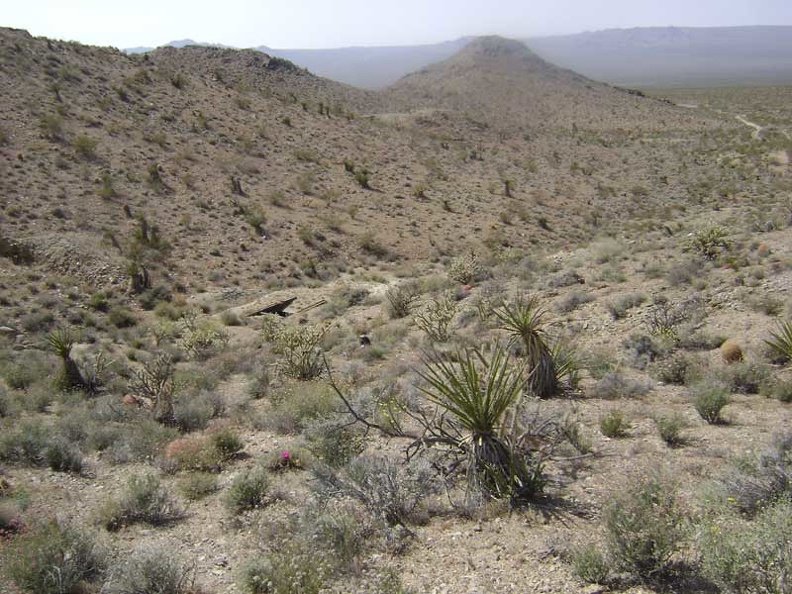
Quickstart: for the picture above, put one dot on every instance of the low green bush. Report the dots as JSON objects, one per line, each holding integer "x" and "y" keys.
{"x": 709, "y": 400}
{"x": 614, "y": 424}
{"x": 145, "y": 500}
{"x": 248, "y": 491}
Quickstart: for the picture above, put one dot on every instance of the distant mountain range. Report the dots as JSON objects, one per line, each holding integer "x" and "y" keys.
{"x": 641, "y": 57}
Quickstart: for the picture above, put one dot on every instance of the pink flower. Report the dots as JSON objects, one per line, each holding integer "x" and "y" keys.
{"x": 285, "y": 455}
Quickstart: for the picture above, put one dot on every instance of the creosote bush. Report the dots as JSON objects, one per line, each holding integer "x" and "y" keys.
{"x": 248, "y": 491}
{"x": 670, "y": 428}
{"x": 708, "y": 400}
{"x": 749, "y": 555}
{"x": 644, "y": 527}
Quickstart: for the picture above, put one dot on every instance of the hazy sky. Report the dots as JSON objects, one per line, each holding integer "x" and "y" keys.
{"x": 339, "y": 23}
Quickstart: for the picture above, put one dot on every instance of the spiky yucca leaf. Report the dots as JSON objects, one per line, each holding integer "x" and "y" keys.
{"x": 523, "y": 319}
{"x": 477, "y": 391}
{"x": 780, "y": 341}
{"x": 62, "y": 340}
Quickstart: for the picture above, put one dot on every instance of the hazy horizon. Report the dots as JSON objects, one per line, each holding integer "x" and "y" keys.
{"x": 315, "y": 24}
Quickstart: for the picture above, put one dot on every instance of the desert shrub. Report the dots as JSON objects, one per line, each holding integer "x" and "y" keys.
{"x": 700, "y": 341}
{"x": 55, "y": 558}
{"x": 614, "y": 385}
{"x": 138, "y": 441}
{"x": 620, "y": 306}
{"x": 747, "y": 377}
{"x": 11, "y": 522}
{"x": 37, "y": 321}
{"x": 6, "y": 407}
{"x": 52, "y": 126}
{"x": 197, "y": 485}
{"x": 709, "y": 400}
{"x": 765, "y": 480}
{"x": 589, "y": 563}
{"x": 63, "y": 456}
{"x": 666, "y": 318}
{"x": 29, "y": 367}
{"x": 145, "y": 500}
{"x": 332, "y": 443}
{"x": 567, "y": 278}
{"x": 573, "y": 300}
{"x": 710, "y": 242}
{"x": 192, "y": 412}
{"x": 372, "y": 246}
{"x": 338, "y": 529}
{"x": 755, "y": 556}
{"x": 152, "y": 297}
{"x": 780, "y": 342}
{"x": 121, "y": 317}
{"x": 296, "y": 566}
{"x": 193, "y": 453}
{"x": 259, "y": 384}
{"x": 151, "y": 570}
{"x": 643, "y": 349}
{"x": 248, "y": 491}
{"x": 85, "y": 147}
{"x": 155, "y": 381}
{"x": 24, "y": 442}
{"x": 781, "y": 390}
{"x": 670, "y": 429}
{"x": 227, "y": 441}
{"x": 436, "y": 317}
{"x": 300, "y": 403}
{"x": 678, "y": 369}
{"x": 613, "y": 424}
{"x": 390, "y": 491}
{"x": 401, "y": 299}
{"x": 362, "y": 178}
{"x": 644, "y": 527}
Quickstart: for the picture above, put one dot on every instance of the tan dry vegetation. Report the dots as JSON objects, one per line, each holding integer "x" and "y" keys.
{"x": 650, "y": 233}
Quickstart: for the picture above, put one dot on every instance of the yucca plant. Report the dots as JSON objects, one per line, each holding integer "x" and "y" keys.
{"x": 480, "y": 392}
{"x": 523, "y": 319}
{"x": 62, "y": 341}
{"x": 780, "y": 342}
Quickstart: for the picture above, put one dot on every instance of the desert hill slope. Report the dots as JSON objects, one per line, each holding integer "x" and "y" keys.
{"x": 256, "y": 171}
{"x": 511, "y": 83}
{"x": 153, "y": 424}
{"x": 643, "y": 56}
